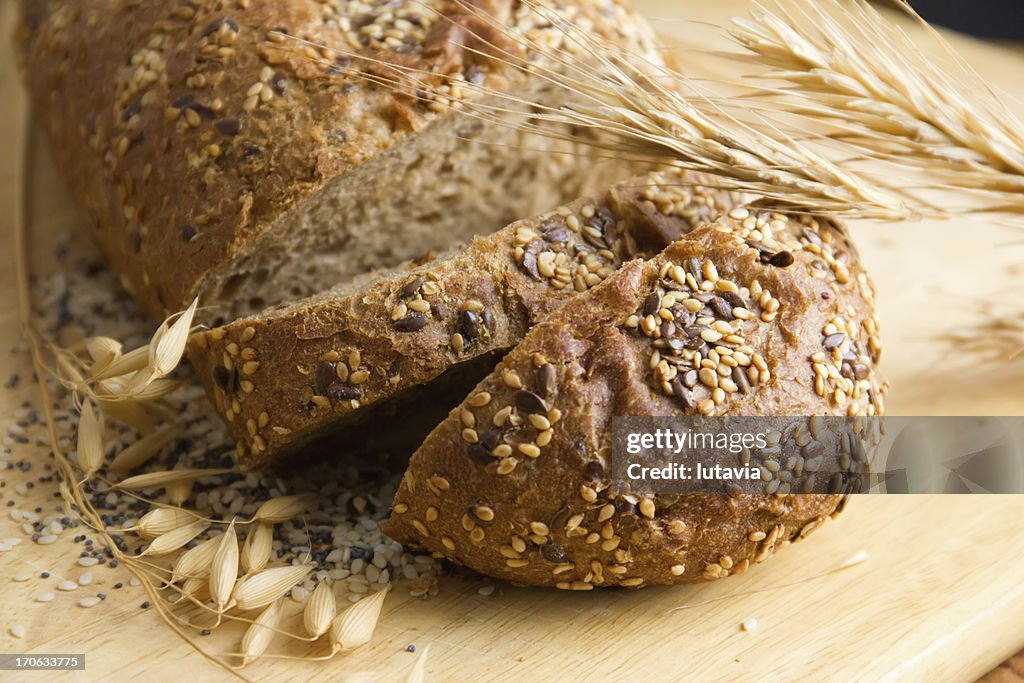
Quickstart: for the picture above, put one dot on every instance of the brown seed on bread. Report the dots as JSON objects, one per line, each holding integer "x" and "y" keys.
{"x": 603, "y": 363}
{"x": 303, "y": 357}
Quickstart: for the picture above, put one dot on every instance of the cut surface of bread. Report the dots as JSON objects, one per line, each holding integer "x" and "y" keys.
{"x": 243, "y": 152}
{"x": 756, "y": 314}
{"x": 340, "y": 361}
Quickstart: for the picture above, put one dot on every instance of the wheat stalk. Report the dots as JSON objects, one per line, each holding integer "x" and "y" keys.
{"x": 631, "y": 106}
{"x": 848, "y": 65}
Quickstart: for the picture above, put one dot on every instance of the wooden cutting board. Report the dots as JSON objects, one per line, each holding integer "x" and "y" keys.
{"x": 940, "y": 597}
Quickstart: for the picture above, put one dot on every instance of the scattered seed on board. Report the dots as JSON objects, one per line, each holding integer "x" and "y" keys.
{"x": 18, "y": 631}
{"x": 22, "y": 576}
{"x": 45, "y": 597}
{"x": 67, "y": 586}
{"x": 88, "y": 602}
{"x": 749, "y": 624}
{"x": 85, "y": 579}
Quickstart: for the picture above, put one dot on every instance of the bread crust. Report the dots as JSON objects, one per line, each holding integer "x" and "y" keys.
{"x": 300, "y": 371}
{"x": 534, "y": 505}
{"x": 187, "y": 130}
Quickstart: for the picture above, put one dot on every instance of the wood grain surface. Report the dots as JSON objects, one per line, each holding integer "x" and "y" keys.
{"x": 940, "y": 597}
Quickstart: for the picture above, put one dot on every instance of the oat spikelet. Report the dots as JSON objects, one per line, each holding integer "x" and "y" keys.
{"x": 257, "y": 548}
{"x": 161, "y": 521}
{"x": 283, "y": 508}
{"x": 260, "y": 632}
{"x": 173, "y": 540}
{"x": 419, "y": 670}
{"x": 320, "y": 611}
{"x": 129, "y": 363}
{"x": 154, "y": 480}
{"x": 168, "y": 344}
{"x": 139, "y": 452}
{"x": 179, "y": 491}
{"x": 103, "y": 351}
{"x": 198, "y": 589}
{"x": 848, "y": 65}
{"x": 259, "y": 590}
{"x": 224, "y": 569}
{"x": 130, "y": 413}
{"x": 196, "y": 562}
{"x": 354, "y": 627}
{"x": 90, "y": 440}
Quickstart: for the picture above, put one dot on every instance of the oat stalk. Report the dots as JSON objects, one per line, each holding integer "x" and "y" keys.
{"x": 847, "y": 65}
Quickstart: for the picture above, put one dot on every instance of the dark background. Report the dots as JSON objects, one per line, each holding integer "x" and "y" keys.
{"x": 1003, "y": 19}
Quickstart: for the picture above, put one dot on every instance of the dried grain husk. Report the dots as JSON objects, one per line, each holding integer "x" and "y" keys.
{"x": 196, "y": 562}
{"x": 283, "y": 508}
{"x": 354, "y": 627}
{"x": 224, "y": 568}
{"x": 179, "y": 491}
{"x": 168, "y": 344}
{"x": 196, "y": 589}
{"x": 160, "y": 521}
{"x": 140, "y": 451}
{"x": 261, "y": 632}
{"x": 103, "y": 351}
{"x": 257, "y": 548}
{"x": 173, "y": 540}
{"x": 154, "y": 480}
{"x": 129, "y": 363}
{"x": 321, "y": 608}
{"x": 90, "y": 440}
{"x": 131, "y": 413}
{"x": 259, "y": 590}
{"x": 419, "y": 670}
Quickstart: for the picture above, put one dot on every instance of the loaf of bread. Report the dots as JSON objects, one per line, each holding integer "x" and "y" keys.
{"x": 401, "y": 347}
{"x": 755, "y": 315}
{"x": 238, "y": 151}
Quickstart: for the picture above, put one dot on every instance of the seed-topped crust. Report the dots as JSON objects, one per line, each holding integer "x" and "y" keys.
{"x": 720, "y": 323}
{"x": 296, "y": 372}
{"x": 186, "y": 129}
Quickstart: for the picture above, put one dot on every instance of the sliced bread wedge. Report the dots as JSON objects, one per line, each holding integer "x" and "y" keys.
{"x": 392, "y": 352}
{"x": 755, "y": 315}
